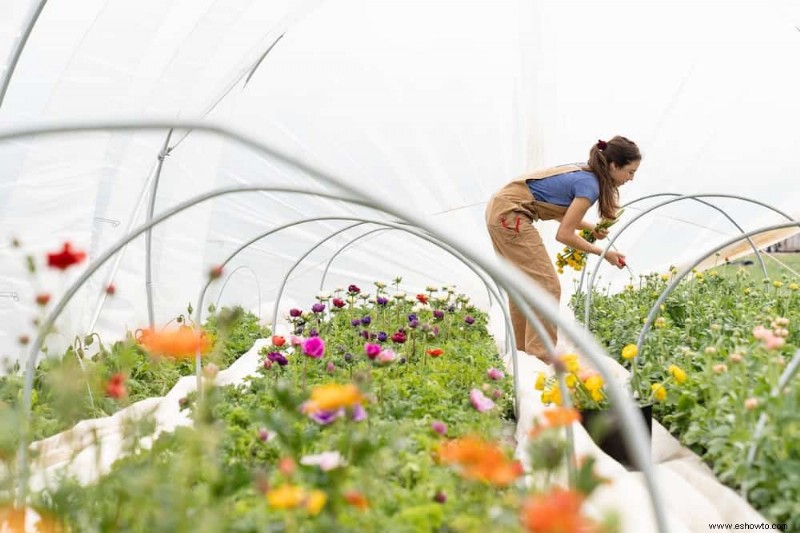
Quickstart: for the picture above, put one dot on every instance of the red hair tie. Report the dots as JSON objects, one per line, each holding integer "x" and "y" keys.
{"x": 601, "y": 145}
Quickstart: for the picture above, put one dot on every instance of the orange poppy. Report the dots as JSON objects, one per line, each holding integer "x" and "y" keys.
{"x": 356, "y": 499}
{"x": 181, "y": 343}
{"x": 555, "y": 418}
{"x": 475, "y": 458}
{"x": 558, "y": 511}
{"x": 435, "y": 352}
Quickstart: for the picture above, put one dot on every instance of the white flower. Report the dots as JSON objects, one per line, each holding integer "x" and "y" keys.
{"x": 441, "y": 298}
{"x": 325, "y": 460}
{"x": 399, "y": 295}
{"x": 380, "y": 284}
{"x": 430, "y": 288}
{"x": 323, "y": 296}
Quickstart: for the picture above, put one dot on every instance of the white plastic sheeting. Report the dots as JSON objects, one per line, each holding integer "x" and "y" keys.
{"x": 432, "y": 104}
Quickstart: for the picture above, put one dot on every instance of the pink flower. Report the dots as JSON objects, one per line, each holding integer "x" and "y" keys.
{"x": 325, "y": 460}
{"x": 751, "y": 403}
{"x": 295, "y": 341}
{"x": 372, "y": 350}
{"x": 314, "y": 347}
{"x": 495, "y": 374}
{"x": 439, "y": 427}
{"x": 760, "y": 332}
{"x": 480, "y": 402}
{"x": 773, "y": 343}
{"x": 720, "y": 368}
{"x": 386, "y": 356}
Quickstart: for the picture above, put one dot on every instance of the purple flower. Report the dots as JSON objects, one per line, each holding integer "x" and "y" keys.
{"x": 495, "y": 374}
{"x": 348, "y": 357}
{"x": 439, "y": 427}
{"x": 382, "y": 301}
{"x": 372, "y": 350}
{"x": 382, "y": 336}
{"x": 469, "y": 320}
{"x": 365, "y": 334}
{"x": 277, "y": 357}
{"x": 438, "y": 314}
{"x": 314, "y": 347}
{"x": 480, "y": 402}
{"x": 440, "y": 497}
{"x": 353, "y": 289}
{"x": 355, "y": 322}
{"x": 263, "y": 435}
{"x": 323, "y": 418}
{"x": 294, "y": 313}
{"x": 313, "y": 333}
{"x": 413, "y": 324}
{"x": 359, "y": 413}
{"x": 412, "y": 317}
{"x": 318, "y": 307}
{"x": 366, "y": 320}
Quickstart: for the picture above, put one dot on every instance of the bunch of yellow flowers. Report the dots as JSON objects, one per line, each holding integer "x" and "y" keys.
{"x": 586, "y": 387}
{"x": 576, "y": 259}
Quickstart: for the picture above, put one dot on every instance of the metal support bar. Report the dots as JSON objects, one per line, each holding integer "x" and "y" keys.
{"x": 16, "y": 52}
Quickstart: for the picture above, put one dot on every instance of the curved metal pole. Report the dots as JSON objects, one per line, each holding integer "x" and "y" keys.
{"x": 48, "y": 323}
{"x": 148, "y": 236}
{"x": 612, "y": 239}
{"x": 709, "y": 204}
{"x": 33, "y": 16}
{"x": 227, "y": 279}
{"x": 297, "y": 263}
{"x": 346, "y": 245}
{"x": 261, "y": 59}
{"x": 507, "y": 276}
{"x": 677, "y": 279}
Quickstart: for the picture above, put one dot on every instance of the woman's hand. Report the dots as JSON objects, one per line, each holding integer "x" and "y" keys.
{"x": 600, "y": 233}
{"x": 615, "y": 258}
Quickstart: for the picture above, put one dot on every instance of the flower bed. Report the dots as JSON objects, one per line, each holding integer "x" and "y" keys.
{"x": 387, "y": 412}
{"x": 715, "y": 353}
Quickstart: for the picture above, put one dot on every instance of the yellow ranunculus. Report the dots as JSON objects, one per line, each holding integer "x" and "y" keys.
{"x": 540, "y": 379}
{"x": 570, "y": 361}
{"x": 677, "y": 373}
{"x": 285, "y": 497}
{"x": 777, "y": 284}
{"x": 629, "y": 351}
{"x": 597, "y": 395}
{"x": 593, "y": 382}
{"x": 571, "y": 380}
{"x": 315, "y": 501}
{"x": 659, "y": 392}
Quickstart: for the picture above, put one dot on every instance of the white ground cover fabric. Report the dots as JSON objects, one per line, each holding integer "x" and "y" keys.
{"x": 692, "y": 495}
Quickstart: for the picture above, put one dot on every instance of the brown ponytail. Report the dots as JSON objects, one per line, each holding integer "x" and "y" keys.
{"x": 620, "y": 151}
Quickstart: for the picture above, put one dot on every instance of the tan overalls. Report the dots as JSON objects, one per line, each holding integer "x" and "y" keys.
{"x": 509, "y": 218}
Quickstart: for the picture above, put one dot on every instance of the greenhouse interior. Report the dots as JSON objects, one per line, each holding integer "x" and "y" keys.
{"x": 251, "y": 277}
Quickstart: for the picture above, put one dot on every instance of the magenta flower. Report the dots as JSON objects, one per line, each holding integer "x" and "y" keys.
{"x": 399, "y": 337}
{"x": 294, "y": 313}
{"x": 439, "y": 427}
{"x": 314, "y": 347}
{"x": 469, "y": 320}
{"x": 480, "y": 402}
{"x": 438, "y": 314}
{"x": 372, "y": 350}
{"x": 353, "y": 289}
{"x": 338, "y": 303}
{"x": 495, "y": 374}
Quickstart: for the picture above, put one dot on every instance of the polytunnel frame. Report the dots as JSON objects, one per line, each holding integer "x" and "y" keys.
{"x": 228, "y": 278}
{"x": 613, "y": 239}
{"x": 724, "y": 213}
{"x": 493, "y": 292}
{"x": 654, "y": 310}
{"x": 508, "y": 276}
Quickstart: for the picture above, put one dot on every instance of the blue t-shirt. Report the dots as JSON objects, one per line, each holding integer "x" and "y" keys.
{"x": 563, "y": 188}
